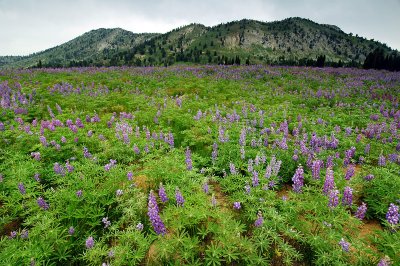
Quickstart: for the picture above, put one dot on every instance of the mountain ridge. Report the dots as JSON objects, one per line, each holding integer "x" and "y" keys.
{"x": 295, "y": 41}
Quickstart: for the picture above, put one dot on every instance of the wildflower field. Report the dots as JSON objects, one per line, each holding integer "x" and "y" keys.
{"x": 204, "y": 165}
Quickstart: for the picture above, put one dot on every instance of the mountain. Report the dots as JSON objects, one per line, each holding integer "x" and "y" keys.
{"x": 95, "y": 47}
{"x": 293, "y": 41}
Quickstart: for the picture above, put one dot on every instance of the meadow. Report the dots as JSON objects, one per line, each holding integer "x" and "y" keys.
{"x": 199, "y": 165}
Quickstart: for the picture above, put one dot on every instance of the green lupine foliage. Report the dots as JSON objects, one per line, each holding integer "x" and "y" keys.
{"x": 297, "y": 228}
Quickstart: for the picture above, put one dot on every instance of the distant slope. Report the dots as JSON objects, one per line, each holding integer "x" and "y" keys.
{"x": 290, "y": 41}
{"x": 287, "y": 41}
{"x": 95, "y": 47}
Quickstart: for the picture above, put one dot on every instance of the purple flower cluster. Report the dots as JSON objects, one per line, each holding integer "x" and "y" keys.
{"x": 42, "y": 203}
{"x": 162, "y": 194}
{"x": 188, "y": 159}
{"x": 154, "y": 216}
{"x": 21, "y": 188}
{"x": 236, "y": 205}
{"x": 392, "y": 215}
{"x": 298, "y": 179}
{"x": 36, "y": 156}
{"x": 333, "y": 198}
{"x": 255, "y": 180}
{"x": 260, "y": 220}
{"x": 106, "y": 222}
{"x": 369, "y": 177}
{"x": 345, "y": 245}
{"x": 347, "y": 199}
{"x": 350, "y": 172}
{"x": 361, "y": 211}
{"x": 329, "y": 183}
{"x": 179, "y": 198}
{"x": 89, "y": 242}
{"x": 232, "y": 168}
{"x": 110, "y": 165}
{"x": 214, "y": 153}
{"x": 316, "y": 169}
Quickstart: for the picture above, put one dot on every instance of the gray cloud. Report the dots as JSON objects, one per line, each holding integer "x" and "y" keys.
{"x": 28, "y": 26}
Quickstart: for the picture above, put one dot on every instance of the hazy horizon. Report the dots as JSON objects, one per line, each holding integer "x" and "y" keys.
{"x": 34, "y": 26}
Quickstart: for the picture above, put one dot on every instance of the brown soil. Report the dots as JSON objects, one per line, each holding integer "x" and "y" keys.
{"x": 141, "y": 182}
{"x": 368, "y": 229}
{"x": 284, "y": 191}
{"x": 11, "y": 226}
{"x": 221, "y": 198}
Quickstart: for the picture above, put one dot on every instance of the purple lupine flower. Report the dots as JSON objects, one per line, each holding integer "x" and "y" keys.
{"x": 347, "y": 199}
{"x": 333, "y": 198}
{"x": 329, "y": 162}
{"x": 268, "y": 172}
{"x": 178, "y": 102}
{"x": 316, "y": 169}
{"x": 367, "y": 148}
{"x": 298, "y": 179}
{"x": 119, "y": 192}
{"x": 110, "y": 165}
{"x": 213, "y": 200}
{"x": 13, "y": 234}
{"x": 236, "y": 205}
{"x": 205, "y": 187}
{"x": 43, "y": 141}
{"x": 381, "y": 160}
{"x": 260, "y": 220}
{"x": 247, "y": 188}
{"x": 345, "y": 245}
{"x": 250, "y": 166}
{"x": 86, "y": 153}
{"x": 350, "y": 172}
{"x": 89, "y": 242}
{"x": 384, "y": 261}
{"x": 242, "y": 138}
{"x": 69, "y": 167}
{"x": 242, "y": 153}
{"x": 162, "y": 194}
{"x": 129, "y": 175}
{"x": 369, "y": 177}
{"x": 188, "y": 159}
{"x": 361, "y": 211}
{"x": 21, "y": 188}
{"x": 392, "y": 215}
{"x": 255, "y": 180}
{"x": 42, "y": 203}
{"x": 24, "y": 234}
{"x": 79, "y": 123}
{"x": 139, "y": 227}
{"x": 171, "y": 140}
{"x": 154, "y": 216}
{"x": 179, "y": 198}
{"x": 329, "y": 183}
{"x": 59, "y": 169}
{"x": 222, "y": 136}
{"x": 393, "y": 157}
{"x": 36, "y": 155}
{"x": 71, "y": 230}
{"x": 136, "y": 149}
{"x": 63, "y": 139}
{"x": 276, "y": 166}
{"x": 232, "y": 169}
{"x": 79, "y": 193}
{"x": 106, "y": 222}
{"x": 37, "y": 177}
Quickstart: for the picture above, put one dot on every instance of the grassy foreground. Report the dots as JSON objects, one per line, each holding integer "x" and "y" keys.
{"x": 208, "y": 165}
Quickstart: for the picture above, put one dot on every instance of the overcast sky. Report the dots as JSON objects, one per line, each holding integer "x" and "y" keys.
{"x": 28, "y": 26}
